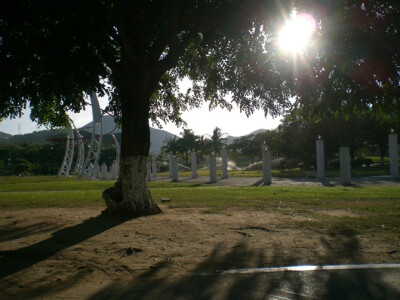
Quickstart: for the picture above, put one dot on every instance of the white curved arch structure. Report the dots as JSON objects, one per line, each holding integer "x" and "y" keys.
{"x": 69, "y": 154}
{"x": 94, "y": 151}
{"x": 81, "y": 153}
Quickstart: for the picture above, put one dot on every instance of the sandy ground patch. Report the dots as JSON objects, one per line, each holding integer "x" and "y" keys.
{"x": 77, "y": 253}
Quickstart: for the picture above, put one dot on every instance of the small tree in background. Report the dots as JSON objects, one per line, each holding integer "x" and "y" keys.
{"x": 217, "y": 141}
{"x": 22, "y": 166}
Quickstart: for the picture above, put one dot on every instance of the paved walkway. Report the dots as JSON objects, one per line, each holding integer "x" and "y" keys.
{"x": 256, "y": 181}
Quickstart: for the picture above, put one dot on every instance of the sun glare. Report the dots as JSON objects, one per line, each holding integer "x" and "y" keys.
{"x": 295, "y": 36}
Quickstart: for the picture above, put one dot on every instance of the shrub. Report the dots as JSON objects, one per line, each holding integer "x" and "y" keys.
{"x": 358, "y": 162}
{"x": 22, "y": 166}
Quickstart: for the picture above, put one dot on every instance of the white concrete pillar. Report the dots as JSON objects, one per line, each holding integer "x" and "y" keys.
{"x": 174, "y": 168}
{"x": 394, "y": 155}
{"x": 148, "y": 170}
{"x": 112, "y": 172}
{"x": 97, "y": 171}
{"x": 117, "y": 168}
{"x": 213, "y": 168}
{"x": 154, "y": 165}
{"x": 224, "y": 158}
{"x": 266, "y": 164}
{"x": 344, "y": 157}
{"x": 194, "y": 164}
{"x": 103, "y": 171}
{"x": 170, "y": 159}
{"x": 320, "y": 159}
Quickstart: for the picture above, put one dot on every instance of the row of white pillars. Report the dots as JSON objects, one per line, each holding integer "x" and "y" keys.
{"x": 213, "y": 165}
{"x": 173, "y": 166}
{"x": 344, "y": 159}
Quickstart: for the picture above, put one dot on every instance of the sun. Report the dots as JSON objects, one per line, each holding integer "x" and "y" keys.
{"x": 294, "y": 37}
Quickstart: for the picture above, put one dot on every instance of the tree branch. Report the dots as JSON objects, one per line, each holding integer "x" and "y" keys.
{"x": 125, "y": 44}
{"x": 177, "y": 46}
{"x": 107, "y": 57}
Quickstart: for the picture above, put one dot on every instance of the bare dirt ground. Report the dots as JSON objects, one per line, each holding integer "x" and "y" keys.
{"x": 78, "y": 254}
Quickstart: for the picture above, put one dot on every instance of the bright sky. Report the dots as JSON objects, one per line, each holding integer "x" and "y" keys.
{"x": 295, "y": 35}
{"x": 201, "y": 120}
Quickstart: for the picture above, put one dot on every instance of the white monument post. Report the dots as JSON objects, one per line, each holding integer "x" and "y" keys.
{"x": 97, "y": 171}
{"x": 320, "y": 159}
{"x": 393, "y": 155}
{"x": 170, "y": 159}
{"x": 148, "y": 170}
{"x": 194, "y": 164}
{"x": 116, "y": 163}
{"x": 213, "y": 168}
{"x": 174, "y": 168}
{"x": 224, "y": 158}
{"x": 344, "y": 157}
{"x": 116, "y": 168}
{"x": 103, "y": 171}
{"x": 266, "y": 164}
{"x": 154, "y": 165}
{"x": 112, "y": 171}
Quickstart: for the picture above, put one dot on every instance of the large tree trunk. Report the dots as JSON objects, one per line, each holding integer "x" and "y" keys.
{"x": 131, "y": 195}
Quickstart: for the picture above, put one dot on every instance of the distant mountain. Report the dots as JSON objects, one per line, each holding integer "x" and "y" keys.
{"x": 230, "y": 139}
{"x": 157, "y": 139}
{"x": 157, "y": 136}
{"x": 109, "y": 126}
{"x": 255, "y": 132}
{"x": 4, "y": 135}
{"x": 36, "y": 137}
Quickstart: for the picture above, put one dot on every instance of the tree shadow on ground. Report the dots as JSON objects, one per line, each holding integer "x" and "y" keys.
{"x": 16, "y": 260}
{"x": 379, "y": 181}
{"x": 45, "y": 287}
{"x": 258, "y": 183}
{"x": 9, "y": 232}
{"x": 208, "y": 280}
{"x": 325, "y": 182}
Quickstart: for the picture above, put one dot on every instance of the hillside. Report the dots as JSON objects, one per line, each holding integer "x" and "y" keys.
{"x": 36, "y": 137}
{"x": 230, "y": 139}
{"x": 157, "y": 136}
{"x": 4, "y": 135}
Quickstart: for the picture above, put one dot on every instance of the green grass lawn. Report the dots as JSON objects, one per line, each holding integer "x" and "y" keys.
{"x": 19, "y": 192}
{"x": 291, "y": 173}
{"x": 376, "y": 206}
{"x": 53, "y": 183}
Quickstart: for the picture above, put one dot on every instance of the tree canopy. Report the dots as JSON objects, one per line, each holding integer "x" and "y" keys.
{"x": 355, "y": 63}
{"x": 55, "y": 51}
